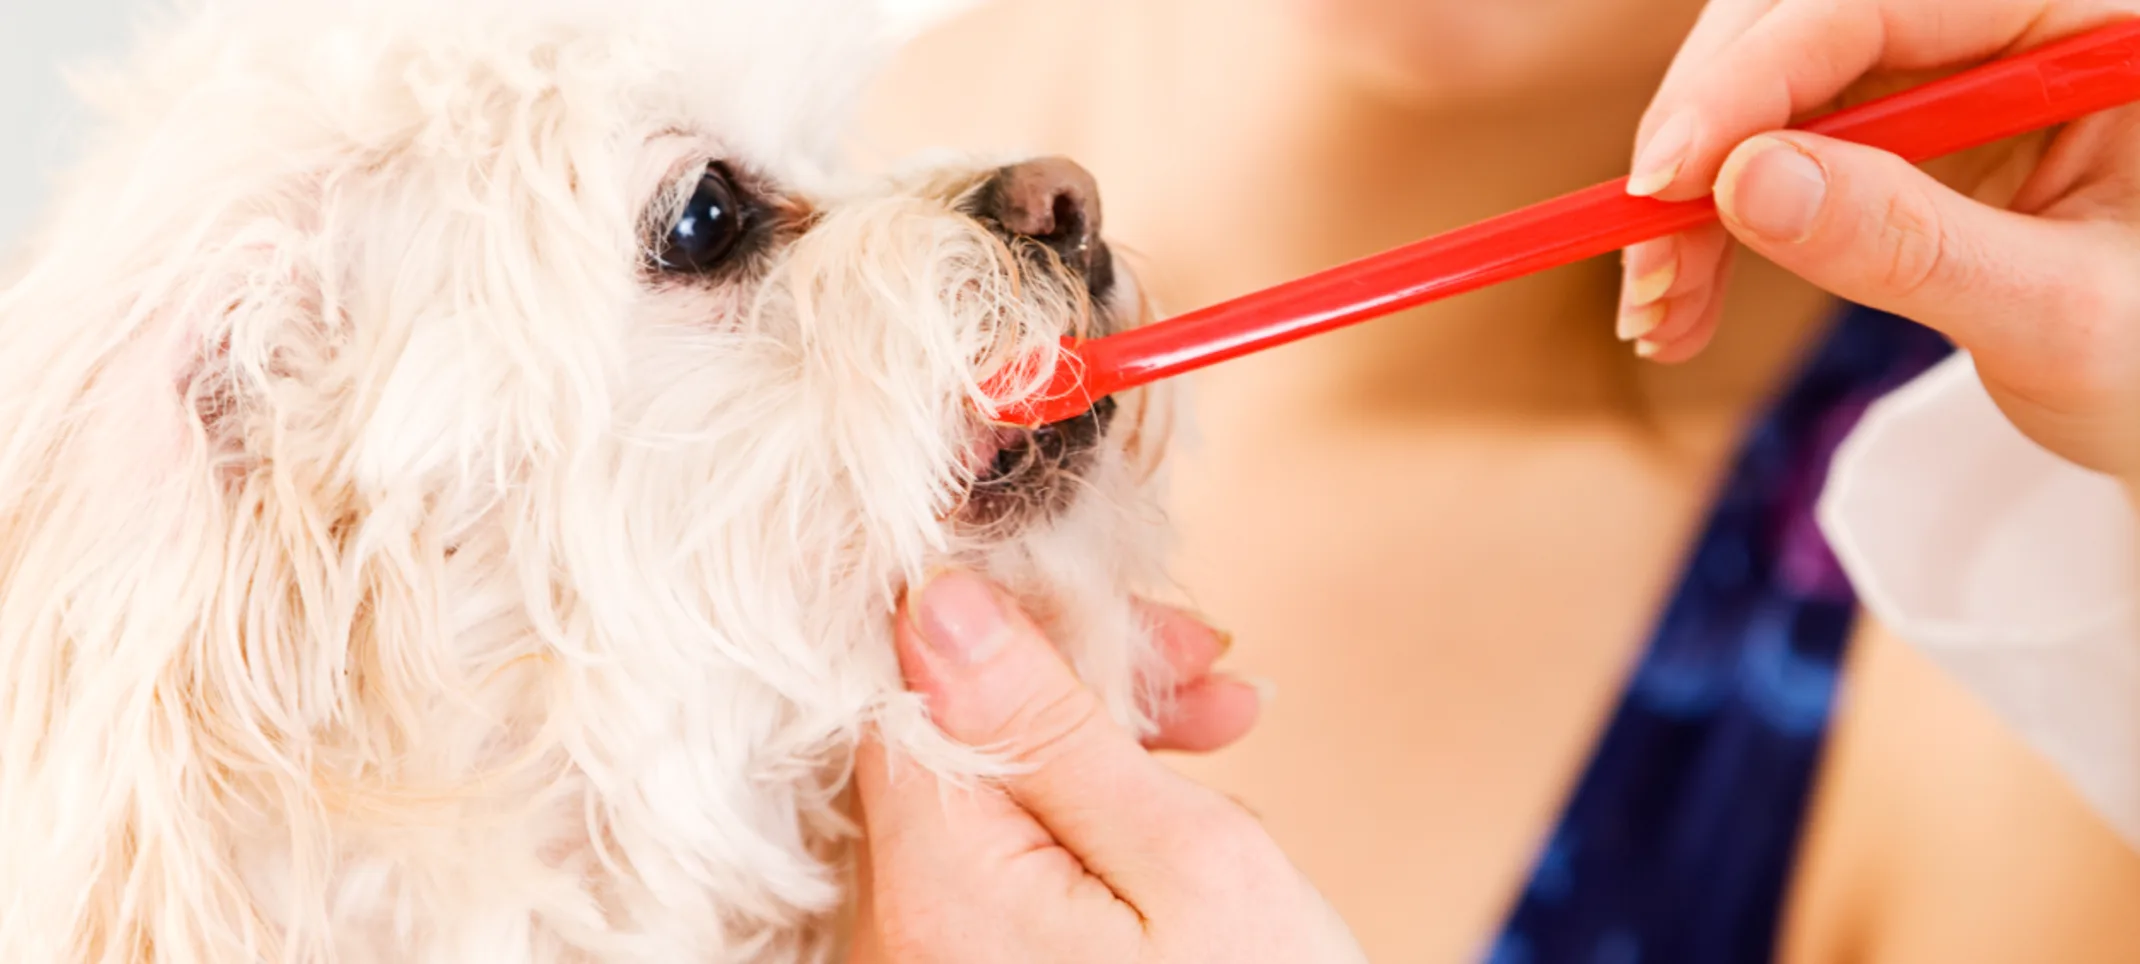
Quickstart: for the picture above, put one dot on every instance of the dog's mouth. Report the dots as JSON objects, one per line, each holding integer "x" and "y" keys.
{"x": 1022, "y": 475}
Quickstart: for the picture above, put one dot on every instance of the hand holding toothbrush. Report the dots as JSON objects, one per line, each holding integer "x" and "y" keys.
{"x": 2030, "y": 261}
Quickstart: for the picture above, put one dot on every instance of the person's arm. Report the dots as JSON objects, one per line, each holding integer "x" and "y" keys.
{"x": 2014, "y": 570}
{"x": 1093, "y": 851}
{"x": 1940, "y": 836}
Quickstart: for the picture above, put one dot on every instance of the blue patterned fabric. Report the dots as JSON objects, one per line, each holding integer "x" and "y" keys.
{"x": 1677, "y": 844}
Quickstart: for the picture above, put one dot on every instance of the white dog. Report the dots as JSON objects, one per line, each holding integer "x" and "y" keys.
{"x": 457, "y": 467}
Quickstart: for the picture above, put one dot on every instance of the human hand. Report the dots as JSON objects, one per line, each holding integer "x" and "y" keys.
{"x": 1095, "y": 851}
{"x": 2028, "y": 256}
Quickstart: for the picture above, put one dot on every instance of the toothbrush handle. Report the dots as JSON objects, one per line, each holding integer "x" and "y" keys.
{"x": 2053, "y": 84}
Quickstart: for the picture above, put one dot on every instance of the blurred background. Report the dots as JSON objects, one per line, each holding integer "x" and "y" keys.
{"x": 39, "y": 38}
{"x": 36, "y": 109}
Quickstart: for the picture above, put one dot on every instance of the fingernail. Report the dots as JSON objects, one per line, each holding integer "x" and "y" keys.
{"x": 1266, "y": 690}
{"x": 1662, "y": 158}
{"x": 1774, "y": 189}
{"x": 1648, "y": 271}
{"x": 1225, "y": 639}
{"x": 961, "y": 618}
{"x": 1639, "y": 321}
{"x": 1646, "y": 348}
{"x": 1650, "y": 288}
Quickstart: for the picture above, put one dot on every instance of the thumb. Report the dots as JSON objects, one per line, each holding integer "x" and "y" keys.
{"x": 1867, "y": 226}
{"x": 992, "y": 680}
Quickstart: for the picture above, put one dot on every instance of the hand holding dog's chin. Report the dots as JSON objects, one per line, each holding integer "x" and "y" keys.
{"x": 1094, "y": 851}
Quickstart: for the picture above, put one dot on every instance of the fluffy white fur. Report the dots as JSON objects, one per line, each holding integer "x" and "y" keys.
{"x": 393, "y": 570}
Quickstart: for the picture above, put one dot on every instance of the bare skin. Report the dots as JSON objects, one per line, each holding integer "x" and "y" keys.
{"x": 1447, "y": 534}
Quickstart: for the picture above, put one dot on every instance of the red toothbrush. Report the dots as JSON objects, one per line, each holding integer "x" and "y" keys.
{"x": 2053, "y": 84}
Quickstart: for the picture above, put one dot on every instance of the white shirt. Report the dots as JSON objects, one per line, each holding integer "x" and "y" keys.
{"x": 2016, "y": 571}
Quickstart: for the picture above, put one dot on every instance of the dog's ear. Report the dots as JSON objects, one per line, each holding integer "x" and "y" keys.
{"x": 147, "y": 692}
{"x": 257, "y": 327}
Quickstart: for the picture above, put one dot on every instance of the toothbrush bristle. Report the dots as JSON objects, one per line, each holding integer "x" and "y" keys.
{"x": 1066, "y": 395}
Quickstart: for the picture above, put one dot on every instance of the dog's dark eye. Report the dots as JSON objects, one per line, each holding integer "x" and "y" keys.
{"x": 710, "y": 229}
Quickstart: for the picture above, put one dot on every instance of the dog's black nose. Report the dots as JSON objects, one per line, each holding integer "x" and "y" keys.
{"x": 1055, "y": 202}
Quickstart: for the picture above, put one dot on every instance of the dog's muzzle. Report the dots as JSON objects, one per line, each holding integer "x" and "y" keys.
{"x": 1049, "y": 211}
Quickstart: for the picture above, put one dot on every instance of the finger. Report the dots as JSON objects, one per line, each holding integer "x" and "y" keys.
{"x": 920, "y": 828}
{"x": 1688, "y": 327}
{"x": 1801, "y": 54}
{"x": 1668, "y": 272}
{"x": 1720, "y": 24}
{"x": 1870, "y": 228}
{"x": 1203, "y": 712}
{"x": 947, "y": 866}
{"x": 992, "y": 680}
{"x": 1210, "y": 714}
{"x": 1676, "y": 347}
{"x": 2085, "y": 171}
{"x": 1186, "y": 641}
